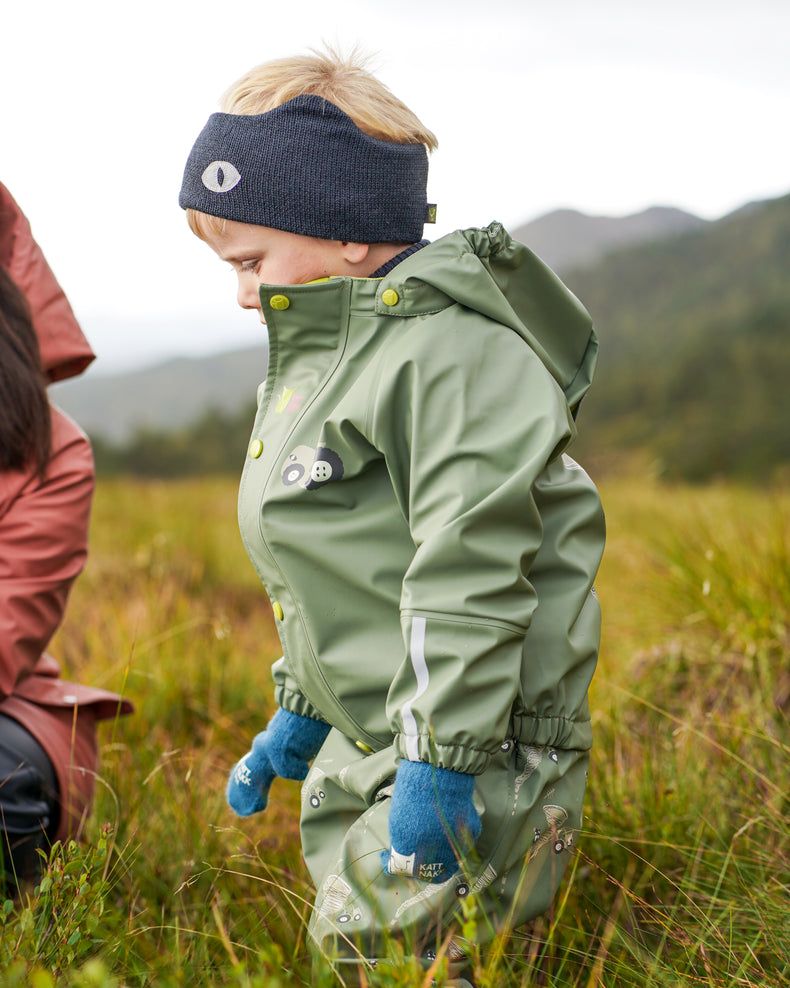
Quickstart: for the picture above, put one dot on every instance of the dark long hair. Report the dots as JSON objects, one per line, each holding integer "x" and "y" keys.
{"x": 25, "y": 416}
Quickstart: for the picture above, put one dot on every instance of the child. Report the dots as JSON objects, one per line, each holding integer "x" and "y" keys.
{"x": 428, "y": 546}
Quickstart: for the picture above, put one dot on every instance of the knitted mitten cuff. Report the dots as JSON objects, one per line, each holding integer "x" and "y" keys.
{"x": 292, "y": 742}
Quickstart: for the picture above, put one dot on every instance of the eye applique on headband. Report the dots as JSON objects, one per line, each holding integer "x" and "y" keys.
{"x": 220, "y": 176}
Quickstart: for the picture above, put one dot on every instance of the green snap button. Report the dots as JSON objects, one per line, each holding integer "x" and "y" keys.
{"x": 256, "y": 448}
{"x": 279, "y": 302}
{"x": 278, "y": 611}
{"x": 389, "y": 297}
{"x": 363, "y": 747}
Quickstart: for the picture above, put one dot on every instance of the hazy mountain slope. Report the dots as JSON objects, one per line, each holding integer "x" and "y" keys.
{"x": 567, "y": 239}
{"x": 694, "y": 363}
{"x": 165, "y": 396}
{"x": 176, "y": 393}
{"x": 695, "y": 346}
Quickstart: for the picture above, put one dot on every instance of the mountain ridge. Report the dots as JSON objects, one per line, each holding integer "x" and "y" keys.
{"x": 174, "y": 393}
{"x": 566, "y": 238}
{"x": 168, "y": 395}
{"x": 694, "y": 348}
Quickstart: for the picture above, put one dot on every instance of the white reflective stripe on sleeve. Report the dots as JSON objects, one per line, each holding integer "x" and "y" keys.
{"x": 417, "y": 655}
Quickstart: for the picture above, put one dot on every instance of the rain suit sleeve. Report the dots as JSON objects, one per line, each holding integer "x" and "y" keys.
{"x": 44, "y": 537}
{"x": 287, "y": 693}
{"x": 470, "y": 418}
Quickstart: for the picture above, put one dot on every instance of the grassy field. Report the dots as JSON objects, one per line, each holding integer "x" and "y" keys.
{"x": 682, "y": 876}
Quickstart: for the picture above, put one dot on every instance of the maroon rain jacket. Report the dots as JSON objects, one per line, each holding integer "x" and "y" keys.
{"x": 43, "y": 547}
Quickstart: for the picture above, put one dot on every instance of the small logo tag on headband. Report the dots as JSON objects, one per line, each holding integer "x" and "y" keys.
{"x": 430, "y": 212}
{"x": 220, "y": 176}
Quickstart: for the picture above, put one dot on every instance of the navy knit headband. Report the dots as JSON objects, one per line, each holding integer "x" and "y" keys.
{"x": 305, "y": 167}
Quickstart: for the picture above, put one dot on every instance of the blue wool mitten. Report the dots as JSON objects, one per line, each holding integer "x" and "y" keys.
{"x": 285, "y": 748}
{"x": 433, "y": 821}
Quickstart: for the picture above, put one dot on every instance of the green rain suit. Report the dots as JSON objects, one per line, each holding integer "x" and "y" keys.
{"x": 430, "y": 549}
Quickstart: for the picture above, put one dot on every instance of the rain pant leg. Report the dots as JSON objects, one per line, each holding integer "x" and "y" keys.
{"x": 530, "y": 803}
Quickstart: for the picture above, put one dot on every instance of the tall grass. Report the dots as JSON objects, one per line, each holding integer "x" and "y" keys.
{"x": 682, "y": 876}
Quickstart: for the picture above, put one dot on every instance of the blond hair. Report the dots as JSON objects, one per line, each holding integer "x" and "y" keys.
{"x": 343, "y": 80}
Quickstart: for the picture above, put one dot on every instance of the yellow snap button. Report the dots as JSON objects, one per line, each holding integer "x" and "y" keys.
{"x": 389, "y": 297}
{"x": 278, "y": 611}
{"x": 363, "y": 747}
{"x": 256, "y": 448}
{"x": 279, "y": 301}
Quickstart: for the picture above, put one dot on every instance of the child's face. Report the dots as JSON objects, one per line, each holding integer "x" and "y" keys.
{"x": 262, "y": 255}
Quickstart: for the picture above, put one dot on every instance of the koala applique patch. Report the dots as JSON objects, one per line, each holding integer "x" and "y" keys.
{"x": 311, "y": 468}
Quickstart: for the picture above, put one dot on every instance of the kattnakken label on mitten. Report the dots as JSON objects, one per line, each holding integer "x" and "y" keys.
{"x": 430, "y": 872}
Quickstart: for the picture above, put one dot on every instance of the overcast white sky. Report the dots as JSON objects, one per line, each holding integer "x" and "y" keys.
{"x": 607, "y": 107}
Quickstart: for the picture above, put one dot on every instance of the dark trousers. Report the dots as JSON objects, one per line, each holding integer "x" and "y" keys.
{"x": 28, "y": 802}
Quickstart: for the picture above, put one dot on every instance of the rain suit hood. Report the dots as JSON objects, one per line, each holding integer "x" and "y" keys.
{"x": 488, "y": 272}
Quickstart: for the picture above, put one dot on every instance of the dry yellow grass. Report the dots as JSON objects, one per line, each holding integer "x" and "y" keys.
{"x": 683, "y": 875}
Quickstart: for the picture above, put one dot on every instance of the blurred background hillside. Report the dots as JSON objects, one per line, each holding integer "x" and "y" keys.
{"x": 693, "y": 318}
